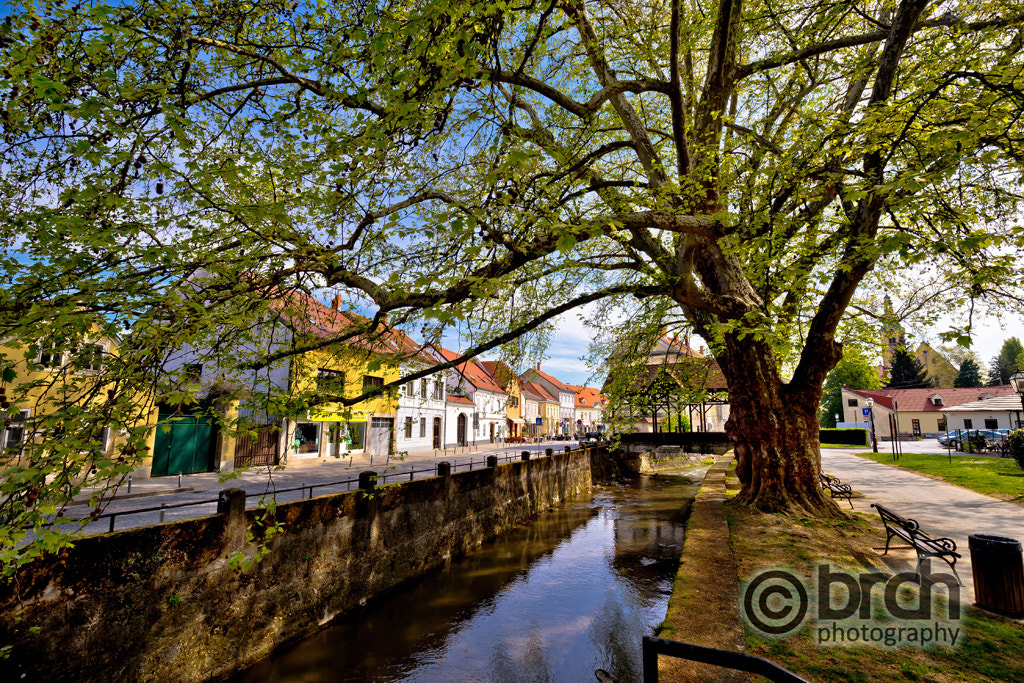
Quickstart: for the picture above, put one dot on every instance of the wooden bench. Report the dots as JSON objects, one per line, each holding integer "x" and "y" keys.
{"x": 926, "y": 546}
{"x": 837, "y": 488}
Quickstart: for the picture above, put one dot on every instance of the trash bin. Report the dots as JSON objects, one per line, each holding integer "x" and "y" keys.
{"x": 998, "y": 567}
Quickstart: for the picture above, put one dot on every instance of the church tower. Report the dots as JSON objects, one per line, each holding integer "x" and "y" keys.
{"x": 891, "y": 335}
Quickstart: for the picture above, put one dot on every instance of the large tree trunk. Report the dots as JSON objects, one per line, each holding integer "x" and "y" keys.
{"x": 774, "y": 428}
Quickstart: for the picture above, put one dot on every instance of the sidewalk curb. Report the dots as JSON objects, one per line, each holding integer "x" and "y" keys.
{"x": 141, "y": 494}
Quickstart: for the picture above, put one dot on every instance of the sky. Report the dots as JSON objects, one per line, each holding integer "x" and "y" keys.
{"x": 570, "y": 342}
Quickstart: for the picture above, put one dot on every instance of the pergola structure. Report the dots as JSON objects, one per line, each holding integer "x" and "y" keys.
{"x": 674, "y": 381}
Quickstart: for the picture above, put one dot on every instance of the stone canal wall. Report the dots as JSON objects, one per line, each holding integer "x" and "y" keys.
{"x": 167, "y": 603}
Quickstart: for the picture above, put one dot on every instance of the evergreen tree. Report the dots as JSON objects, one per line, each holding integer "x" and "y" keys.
{"x": 969, "y": 375}
{"x": 1009, "y": 360}
{"x": 907, "y": 372}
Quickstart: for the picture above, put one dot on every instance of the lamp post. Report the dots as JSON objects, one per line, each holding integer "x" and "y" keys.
{"x": 870, "y": 403}
{"x": 1017, "y": 381}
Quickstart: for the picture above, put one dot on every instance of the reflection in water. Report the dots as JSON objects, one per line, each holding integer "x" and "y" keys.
{"x": 573, "y": 592}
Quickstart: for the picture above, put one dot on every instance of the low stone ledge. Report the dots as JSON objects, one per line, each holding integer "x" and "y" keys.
{"x": 704, "y": 607}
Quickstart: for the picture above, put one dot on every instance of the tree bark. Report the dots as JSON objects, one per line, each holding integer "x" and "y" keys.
{"x": 774, "y": 429}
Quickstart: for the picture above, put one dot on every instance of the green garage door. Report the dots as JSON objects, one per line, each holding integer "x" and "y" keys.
{"x": 184, "y": 444}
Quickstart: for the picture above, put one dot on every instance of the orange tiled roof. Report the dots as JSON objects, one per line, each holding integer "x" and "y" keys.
{"x": 472, "y": 372}
{"x": 537, "y": 392}
{"x": 588, "y": 397}
{"x": 558, "y": 384}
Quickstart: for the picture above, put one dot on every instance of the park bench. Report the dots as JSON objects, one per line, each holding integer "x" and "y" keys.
{"x": 836, "y": 488}
{"x": 925, "y": 546}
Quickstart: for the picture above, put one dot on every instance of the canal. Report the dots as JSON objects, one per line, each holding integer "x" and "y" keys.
{"x": 573, "y": 592}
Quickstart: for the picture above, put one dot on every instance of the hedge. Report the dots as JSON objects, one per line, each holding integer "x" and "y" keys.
{"x": 850, "y": 437}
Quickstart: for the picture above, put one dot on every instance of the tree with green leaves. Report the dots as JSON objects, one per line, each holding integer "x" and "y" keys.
{"x": 853, "y": 371}
{"x": 1009, "y": 360}
{"x": 906, "y": 371}
{"x": 732, "y": 169}
{"x": 969, "y": 375}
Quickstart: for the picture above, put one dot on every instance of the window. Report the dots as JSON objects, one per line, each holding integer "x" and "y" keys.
{"x": 371, "y": 381}
{"x": 915, "y": 425}
{"x": 991, "y": 423}
{"x": 513, "y": 401}
{"x": 438, "y": 390}
{"x": 968, "y": 424}
{"x": 50, "y": 355}
{"x": 423, "y": 388}
{"x": 193, "y": 372}
{"x": 423, "y": 427}
{"x": 354, "y": 435}
{"x": 408, "y": 427}
{"x": 330, "y": 382}
{"x": 410, "y": 389}
{"x": 90, "y": 357}
{"x": 307, "y": 437}
{"x": 942, "y": 424}
{"x": 13, "y": 436}
{"x": 852, "y": 402}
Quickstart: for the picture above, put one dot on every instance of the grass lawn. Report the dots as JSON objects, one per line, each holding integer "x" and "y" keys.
{"x": 991, "y": 648}
{"x": 997, "y": 477}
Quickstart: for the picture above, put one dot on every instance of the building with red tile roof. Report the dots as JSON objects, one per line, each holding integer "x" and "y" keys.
{"x": 590, "y": 403}
{"x": 542, "y": 411}
{"x": 481, "y": 420}
{"x": 918, "y": 412}
{"x": 566, "y": 397}
{"x": 503, "y": 376}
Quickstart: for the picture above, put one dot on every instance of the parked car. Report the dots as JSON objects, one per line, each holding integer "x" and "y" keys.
{"x": 990, "y": 435}
{"x": 591, "y": 438}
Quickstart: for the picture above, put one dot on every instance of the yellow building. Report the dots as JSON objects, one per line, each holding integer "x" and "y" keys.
{"x": 503, "y": 376}
{"x": 328, "y": 428}
{"x": 59, "y": 390}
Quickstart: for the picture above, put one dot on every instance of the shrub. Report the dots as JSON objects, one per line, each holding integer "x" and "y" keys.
{"x": 1015, "y": 442}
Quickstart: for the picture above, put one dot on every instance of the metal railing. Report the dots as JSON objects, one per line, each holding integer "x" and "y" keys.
{"x": 726, "y": 659}
{"x": 348, "y": 483}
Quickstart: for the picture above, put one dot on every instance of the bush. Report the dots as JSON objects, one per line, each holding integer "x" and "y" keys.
{"x": 1015, "y": 443}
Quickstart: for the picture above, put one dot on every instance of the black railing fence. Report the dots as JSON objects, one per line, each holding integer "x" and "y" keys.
{"x": 652, "y": 647}
{"x": 346, "y": 484}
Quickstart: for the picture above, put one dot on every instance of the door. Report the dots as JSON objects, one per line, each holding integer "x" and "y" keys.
{"x": 259, "y": 448}
{"x": 184, "y": 445}
{"x": 460, "y": 432}
{"x": 492, "y": 432}
{"x": 378, "y": 441}
{"x": 437, "y": 432}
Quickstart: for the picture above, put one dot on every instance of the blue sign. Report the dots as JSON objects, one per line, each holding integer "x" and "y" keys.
{"x": 865, "y": 411}
{"x": 540, "y": 420}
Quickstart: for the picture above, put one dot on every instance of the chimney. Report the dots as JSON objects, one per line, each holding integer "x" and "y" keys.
{"x": 538, "y": 366}
{"x": 336, "y": 302}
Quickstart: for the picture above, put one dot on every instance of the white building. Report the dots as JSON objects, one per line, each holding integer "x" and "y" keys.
{"x": 421, "y": 403}
{"x": 485, "y": 421}
{"x": 565, "y": 395}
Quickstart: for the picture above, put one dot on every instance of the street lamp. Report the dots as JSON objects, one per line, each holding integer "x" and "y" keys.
{"x": 870, "y": 403}
{"x": 1017, "y": 381}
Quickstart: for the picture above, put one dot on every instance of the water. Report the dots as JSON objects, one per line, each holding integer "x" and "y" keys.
{"x": 556, "y": 600}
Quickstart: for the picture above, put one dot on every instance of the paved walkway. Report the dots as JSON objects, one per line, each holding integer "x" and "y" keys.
{"x": 173, "y": 497}
{"x": 941, "y": 509}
